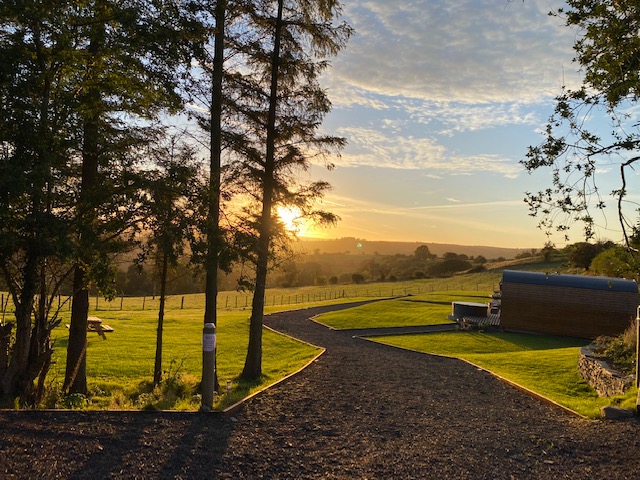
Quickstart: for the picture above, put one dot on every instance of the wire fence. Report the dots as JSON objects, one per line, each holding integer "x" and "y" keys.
{"x": 232, "y": 300}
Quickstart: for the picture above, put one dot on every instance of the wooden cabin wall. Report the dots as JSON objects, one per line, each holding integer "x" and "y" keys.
{"x": 566, "y": 311}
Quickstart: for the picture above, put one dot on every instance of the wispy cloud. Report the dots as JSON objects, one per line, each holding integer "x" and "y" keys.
{"x": 472, "y": 51}
{"x": 374, "y": 148}
{"x": 461, "y": 205}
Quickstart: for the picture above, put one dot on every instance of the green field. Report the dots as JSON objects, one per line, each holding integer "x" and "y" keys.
{"x": 424, "y": 309}
{"x": 120, "y": 368}
{"x": 299, "y": 297}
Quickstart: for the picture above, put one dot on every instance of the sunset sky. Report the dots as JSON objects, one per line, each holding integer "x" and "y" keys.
{"x": 439, "y": 101}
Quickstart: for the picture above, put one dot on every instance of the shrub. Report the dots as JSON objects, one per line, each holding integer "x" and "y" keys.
{"x": 449, "y": 266}
{"x": 615, "y": 262}
{"x": 357, "y": 278}
{"x": 621, "y": 349}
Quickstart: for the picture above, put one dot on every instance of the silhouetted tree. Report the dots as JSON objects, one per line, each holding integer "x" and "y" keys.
{"x": 607, "y": 52}
{"x": 285, "y": 72}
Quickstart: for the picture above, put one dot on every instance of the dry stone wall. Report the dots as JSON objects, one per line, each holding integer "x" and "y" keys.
{"x": 602, "y": 376}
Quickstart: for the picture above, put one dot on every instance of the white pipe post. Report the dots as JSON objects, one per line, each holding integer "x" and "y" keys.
{"x": 208, "y": 366}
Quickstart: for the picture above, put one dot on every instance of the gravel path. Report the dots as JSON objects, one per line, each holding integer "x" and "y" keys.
{"x": 360, "y": 411}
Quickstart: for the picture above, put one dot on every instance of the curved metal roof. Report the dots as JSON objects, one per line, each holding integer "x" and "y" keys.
{"x": 575, "y": 281}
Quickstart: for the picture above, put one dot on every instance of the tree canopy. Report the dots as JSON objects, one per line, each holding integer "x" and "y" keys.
{"x": 89, "y": 91}
{"x": 608, "y": 53}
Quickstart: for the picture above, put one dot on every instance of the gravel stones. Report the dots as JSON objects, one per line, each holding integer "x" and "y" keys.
{"x": 361, "y": 410}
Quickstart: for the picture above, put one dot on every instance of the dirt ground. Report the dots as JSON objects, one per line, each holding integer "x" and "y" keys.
{"x": 361, "y": 411}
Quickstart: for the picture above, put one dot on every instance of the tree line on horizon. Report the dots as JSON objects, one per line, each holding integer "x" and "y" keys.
{"x": 94, "y": 151}
{"x": 297, "y": 270}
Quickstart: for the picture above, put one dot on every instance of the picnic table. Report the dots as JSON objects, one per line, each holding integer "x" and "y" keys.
{"x": 94, "y": 324}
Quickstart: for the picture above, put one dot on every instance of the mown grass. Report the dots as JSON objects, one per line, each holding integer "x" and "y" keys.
{"x": 425, "y": 309}
{"x": 544, "y": 364}
{"x": 120, "y": 369}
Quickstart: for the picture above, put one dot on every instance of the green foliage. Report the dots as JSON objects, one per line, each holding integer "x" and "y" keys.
{"x": 175, "y": 391}
{"x": 423, "y": 254}
{"x": 620, "y": 349}
{"x": 449, "y": 266}
{"x": 480, "y": 260}
{"x": 75, "y": 401}
{"x": 616, "y": 262}
{"x": 527, "y": 254}
{"x": 581, "y": 254}
{"x": 607, "y": 49}
{"x": 548, "y": 250}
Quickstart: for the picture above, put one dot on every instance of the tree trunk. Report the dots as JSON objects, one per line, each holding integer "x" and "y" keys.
{"x": 75, "y": 380}
{"x": 17, "y": 361}
{"x": 253, "y": 363}
{"x": 15, "y": 381}
{"x": 157, "y": 369}
{"x": 213, "y": 220}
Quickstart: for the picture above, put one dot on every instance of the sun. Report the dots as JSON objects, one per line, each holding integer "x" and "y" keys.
{"x": 291, "y": 218}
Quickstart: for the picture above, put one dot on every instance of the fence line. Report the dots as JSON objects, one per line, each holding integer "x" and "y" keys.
{"x": 230, "y": 300}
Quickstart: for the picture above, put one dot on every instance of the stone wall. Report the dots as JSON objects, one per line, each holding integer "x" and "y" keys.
{"x": 600, "y": 375}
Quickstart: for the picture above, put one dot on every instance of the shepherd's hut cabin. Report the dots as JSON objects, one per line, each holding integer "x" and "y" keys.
{"x": 568, "y": 305}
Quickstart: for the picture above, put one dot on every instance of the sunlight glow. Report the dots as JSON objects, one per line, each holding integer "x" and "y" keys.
{"x": 291, "y": 218}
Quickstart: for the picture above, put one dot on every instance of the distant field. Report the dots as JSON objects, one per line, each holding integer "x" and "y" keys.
{"x": 296, "y": 297}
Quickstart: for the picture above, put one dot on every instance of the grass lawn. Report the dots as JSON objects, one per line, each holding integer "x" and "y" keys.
{"x": 544, "y": 364}
{"x": 424, "y": 309}
{"x": 120, "y": 368}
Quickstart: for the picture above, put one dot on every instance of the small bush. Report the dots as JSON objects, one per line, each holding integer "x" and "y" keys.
{"x": 75, "y": 401}
{"x": 621, "y": 349}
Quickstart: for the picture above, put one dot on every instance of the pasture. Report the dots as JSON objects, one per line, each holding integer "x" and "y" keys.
{"x": 120, "y": 368}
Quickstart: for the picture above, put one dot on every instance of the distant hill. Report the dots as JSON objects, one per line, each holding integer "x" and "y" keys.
{"x": 357, "y": 246}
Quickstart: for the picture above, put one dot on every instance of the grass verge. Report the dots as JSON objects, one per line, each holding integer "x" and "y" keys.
{"x": 545, "y": 364}
{"x": 424, "y": 309}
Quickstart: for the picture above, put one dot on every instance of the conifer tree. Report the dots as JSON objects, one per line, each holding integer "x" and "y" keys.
{"x": 283, "y": 108}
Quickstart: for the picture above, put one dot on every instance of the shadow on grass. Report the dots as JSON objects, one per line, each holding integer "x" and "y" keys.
{"x": 529, "y": 341}
{"x": 432, "y": 302}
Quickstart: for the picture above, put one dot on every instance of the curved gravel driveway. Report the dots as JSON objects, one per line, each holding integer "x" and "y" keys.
{"x": 360, "y": 411}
